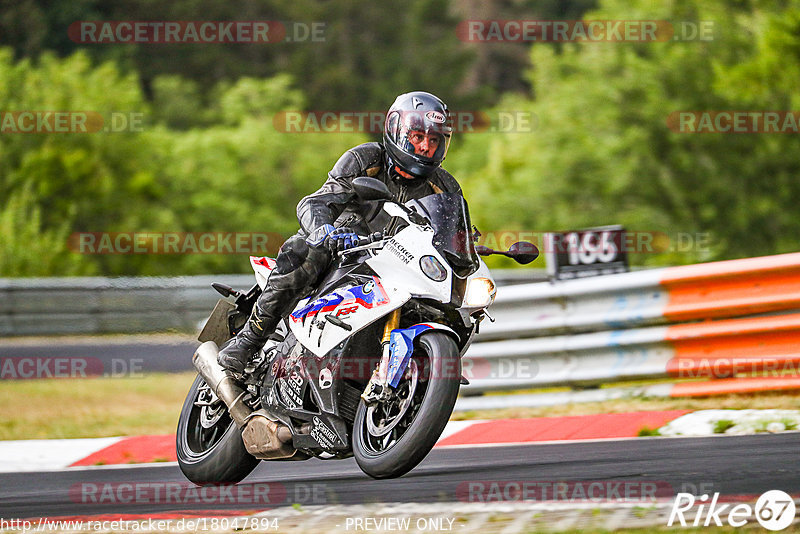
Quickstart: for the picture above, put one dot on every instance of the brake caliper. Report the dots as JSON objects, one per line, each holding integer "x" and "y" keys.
{"x": 394, "y": 363}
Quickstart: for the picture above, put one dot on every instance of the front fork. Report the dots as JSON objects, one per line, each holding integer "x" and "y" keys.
{"x": 377, "y": 388}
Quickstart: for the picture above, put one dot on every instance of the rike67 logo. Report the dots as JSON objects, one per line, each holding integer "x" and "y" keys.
{"x": 774, "y": 510}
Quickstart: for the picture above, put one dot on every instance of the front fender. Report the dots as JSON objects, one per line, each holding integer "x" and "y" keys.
{"x": 401, "y": 347}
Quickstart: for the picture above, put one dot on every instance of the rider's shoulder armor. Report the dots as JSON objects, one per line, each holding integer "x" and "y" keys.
{"x": 445, "y": 181}
{"x": 367, "y": 159}
{"x": 363, "y": 160}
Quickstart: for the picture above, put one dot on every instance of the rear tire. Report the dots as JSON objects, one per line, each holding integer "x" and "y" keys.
{"x": 214, "y": 455}
{"x": 428, "y": 414}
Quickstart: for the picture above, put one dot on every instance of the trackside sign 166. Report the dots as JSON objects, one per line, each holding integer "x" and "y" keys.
{"x": 589, "y": 252}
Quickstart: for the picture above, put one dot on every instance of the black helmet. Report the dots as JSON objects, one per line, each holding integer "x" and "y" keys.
{"x": 427, "y": 118}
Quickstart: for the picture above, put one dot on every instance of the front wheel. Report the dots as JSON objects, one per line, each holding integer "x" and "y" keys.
{"x": 209, "y": 444}
{"x": 391, "y": 438}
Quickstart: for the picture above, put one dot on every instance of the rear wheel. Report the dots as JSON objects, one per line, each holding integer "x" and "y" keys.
{"x": 209, "y": 444}
{"x": 391, "y": 438}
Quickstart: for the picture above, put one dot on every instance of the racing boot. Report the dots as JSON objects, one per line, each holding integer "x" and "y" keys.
{"x": 274, "y": 303}
{"x": 297, "y": 267}
{"x": 235, "y": 354}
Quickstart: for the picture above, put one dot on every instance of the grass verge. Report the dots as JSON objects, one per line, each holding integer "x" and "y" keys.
{"x": 92, "y": 407}
{"x": 100, "y": 407}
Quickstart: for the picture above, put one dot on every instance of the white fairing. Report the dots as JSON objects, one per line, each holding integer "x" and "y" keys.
{"x": 398, "y": 262}
{"x": 482, "y": 272}
{"x": 263, "y": 267}
{"x": 318, "y": 325}
{"x": 355, "y": 305}
{"x": 399, "y": 278}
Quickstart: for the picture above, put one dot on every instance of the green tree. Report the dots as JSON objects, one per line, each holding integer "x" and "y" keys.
{"x": 237, "y": 172}
{"x": 602, "y": 151}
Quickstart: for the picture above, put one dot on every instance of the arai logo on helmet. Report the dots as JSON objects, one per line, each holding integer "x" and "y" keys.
{"x": 435, "y": 116}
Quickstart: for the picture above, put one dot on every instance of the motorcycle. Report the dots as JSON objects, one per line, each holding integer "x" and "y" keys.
{"x": 368, "y": 365}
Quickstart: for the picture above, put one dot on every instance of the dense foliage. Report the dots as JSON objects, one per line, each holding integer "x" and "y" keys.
{"x": 209, "y": 158}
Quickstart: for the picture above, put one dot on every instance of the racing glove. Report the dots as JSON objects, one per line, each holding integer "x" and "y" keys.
{"x": 334, "y": 238}
{"x": 342, "y": 238}
{"x": 320, "y": 235}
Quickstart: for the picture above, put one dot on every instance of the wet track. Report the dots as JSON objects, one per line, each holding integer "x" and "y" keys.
{"x": 743, "y": 465}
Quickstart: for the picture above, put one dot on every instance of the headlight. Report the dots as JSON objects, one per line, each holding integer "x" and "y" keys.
{"x": 480, "y": 293}
{"x": 433, "y": 268}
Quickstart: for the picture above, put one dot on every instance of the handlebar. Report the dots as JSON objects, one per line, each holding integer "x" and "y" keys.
{"x": 363, "y": 241}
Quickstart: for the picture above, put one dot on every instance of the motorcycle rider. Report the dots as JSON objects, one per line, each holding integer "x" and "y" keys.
{"x": 415, "y": 141}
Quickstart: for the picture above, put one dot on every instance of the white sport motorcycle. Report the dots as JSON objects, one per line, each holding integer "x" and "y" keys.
{"x": 368, "y": 366}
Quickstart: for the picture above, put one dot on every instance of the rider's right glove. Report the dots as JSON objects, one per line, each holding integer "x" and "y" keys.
{"x": 342, "y": 239}
{"x": 333, "y": 238}
{"x": 320, "y": 235}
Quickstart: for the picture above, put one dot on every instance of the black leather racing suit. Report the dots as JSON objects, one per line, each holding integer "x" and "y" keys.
{"x": 300, "y": 266}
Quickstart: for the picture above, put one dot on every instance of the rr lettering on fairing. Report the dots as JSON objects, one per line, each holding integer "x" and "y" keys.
{"x": 368, "y": 295}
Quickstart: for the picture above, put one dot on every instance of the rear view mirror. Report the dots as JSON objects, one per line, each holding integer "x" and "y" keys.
{"x": 371, "y": 189}
{"x": 523, "y": 252}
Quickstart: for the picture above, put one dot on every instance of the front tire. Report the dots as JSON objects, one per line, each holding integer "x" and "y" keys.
{"x": 395, "y": 452}
{"x": 209, "y": 444}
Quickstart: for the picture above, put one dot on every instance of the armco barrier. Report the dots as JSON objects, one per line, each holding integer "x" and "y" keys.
{"x": 47, "y": 306}
{"x": 716, "y": 320}
{"x": 709, "y": 320}
{"x": 51, "y": 306}
{"x": 694, "y": 292}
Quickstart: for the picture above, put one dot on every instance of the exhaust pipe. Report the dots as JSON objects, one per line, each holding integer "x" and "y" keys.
{"x": 263, "y": 438}
{"x": 225, "y": 387}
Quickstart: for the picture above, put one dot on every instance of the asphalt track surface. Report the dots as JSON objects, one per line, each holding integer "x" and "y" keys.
{"x": 731, "y": 465}
{"x": 118, "y": 356}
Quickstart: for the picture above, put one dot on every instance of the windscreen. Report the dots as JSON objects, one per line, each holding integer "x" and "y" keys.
{"x": 449, "y": 216}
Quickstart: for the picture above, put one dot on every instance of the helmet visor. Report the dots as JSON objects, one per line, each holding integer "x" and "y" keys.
{"x": 422, "y": 134}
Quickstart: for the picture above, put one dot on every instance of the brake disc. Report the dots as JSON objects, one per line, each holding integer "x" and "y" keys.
{"x": 211, "y": 407}
{"x": 387, "y": 425}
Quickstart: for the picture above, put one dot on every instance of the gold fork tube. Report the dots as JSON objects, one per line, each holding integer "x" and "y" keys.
{"x": 392, "y": 322}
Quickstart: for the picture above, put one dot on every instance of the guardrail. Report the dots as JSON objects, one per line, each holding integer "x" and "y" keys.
{"x": 717, "y": 319}
{"x": 52, "y": 306}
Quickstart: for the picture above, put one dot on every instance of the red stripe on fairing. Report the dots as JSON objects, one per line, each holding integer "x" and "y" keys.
{"x": 269, "y": 263}
{"x": 382, "y": 299}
